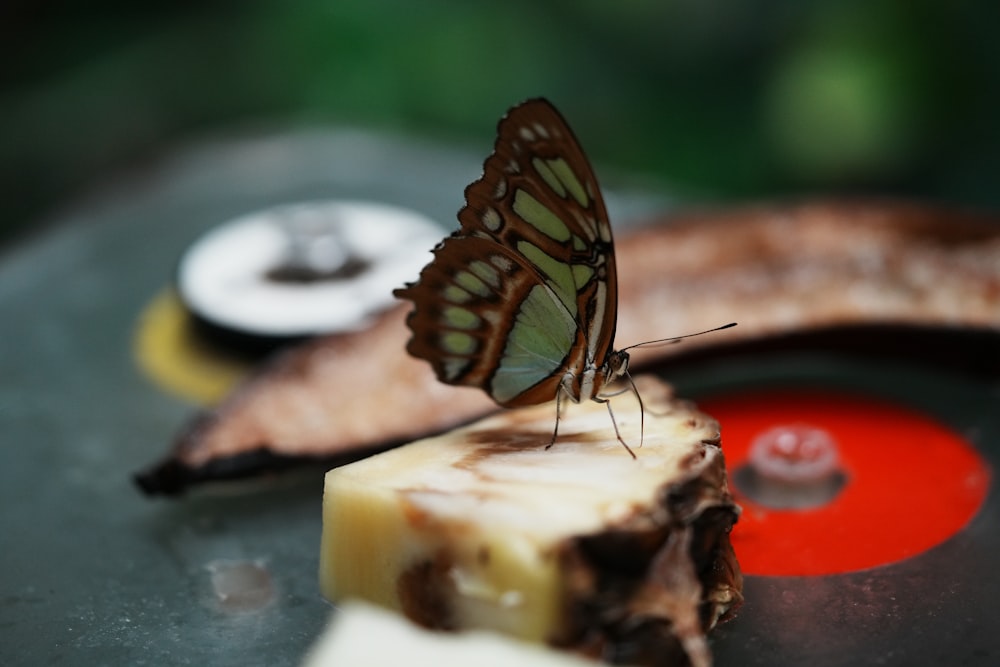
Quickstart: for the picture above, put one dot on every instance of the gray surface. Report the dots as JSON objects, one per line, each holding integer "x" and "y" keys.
{"x": 91, "y": 572}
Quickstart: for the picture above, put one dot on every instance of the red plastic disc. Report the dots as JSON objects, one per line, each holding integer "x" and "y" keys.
{"x": 911, "y": 483}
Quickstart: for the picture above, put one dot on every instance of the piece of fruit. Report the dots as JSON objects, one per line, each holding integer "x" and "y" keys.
{"x": 577, "y": 545}
{"x": 363, "y": 635}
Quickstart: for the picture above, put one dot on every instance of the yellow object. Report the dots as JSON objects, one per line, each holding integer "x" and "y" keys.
{"x": 167, "y": 350}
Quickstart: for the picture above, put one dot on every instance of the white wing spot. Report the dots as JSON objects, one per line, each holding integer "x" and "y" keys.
{"x": 500, "y": 189}
{"x": 492, "y": 219}
{"x": 527, "y": 134}
{"x": 503, "y": 263}
{"x": 541, "y": 130}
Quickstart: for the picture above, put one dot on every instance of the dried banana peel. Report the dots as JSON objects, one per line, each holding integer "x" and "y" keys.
{"x": 777, "y": 270}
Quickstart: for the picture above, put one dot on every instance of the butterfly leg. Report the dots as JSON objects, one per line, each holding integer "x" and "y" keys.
{"x": 615, "y": 424}
{"x": 642, "y": 409}
{"x": 555, "y": 431}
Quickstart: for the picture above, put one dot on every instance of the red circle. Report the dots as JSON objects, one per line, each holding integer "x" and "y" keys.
{"x": 911, "y": 483}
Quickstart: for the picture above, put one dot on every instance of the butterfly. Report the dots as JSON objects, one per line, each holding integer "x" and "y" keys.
{"x": 522, "y": 300}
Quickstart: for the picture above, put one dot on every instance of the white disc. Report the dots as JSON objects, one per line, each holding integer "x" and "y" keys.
{"x": 355, "y": 252}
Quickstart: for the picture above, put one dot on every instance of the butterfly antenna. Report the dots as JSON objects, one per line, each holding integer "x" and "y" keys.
{"x": 675, "y": 339}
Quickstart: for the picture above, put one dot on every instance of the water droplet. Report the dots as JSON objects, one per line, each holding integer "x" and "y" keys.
{"x": 241, "y": 586}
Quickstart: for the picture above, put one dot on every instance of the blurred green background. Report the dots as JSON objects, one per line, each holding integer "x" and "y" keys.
{"x": 717, "y": 100}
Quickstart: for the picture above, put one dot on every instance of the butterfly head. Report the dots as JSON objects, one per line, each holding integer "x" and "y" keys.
{"x": 616, "y": 365}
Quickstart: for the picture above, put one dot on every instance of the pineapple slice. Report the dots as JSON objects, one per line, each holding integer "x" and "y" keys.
{"x": 577, "y": 546}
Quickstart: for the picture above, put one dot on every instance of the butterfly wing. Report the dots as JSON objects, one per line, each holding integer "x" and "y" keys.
{"x": 485, "y": 318}
{"x": 525, "y": 292}
{"x": 539, "y": 197}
